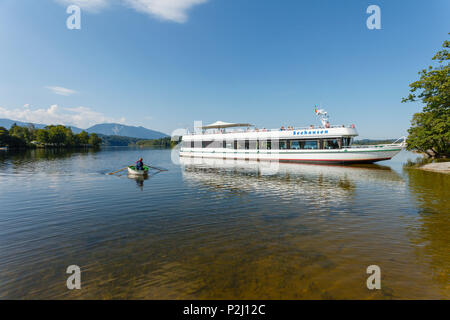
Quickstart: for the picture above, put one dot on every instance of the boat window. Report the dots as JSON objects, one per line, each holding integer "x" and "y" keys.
{"x": 347, "y": 141}
{"x": 206, "y": 144}
{"x": 310, "y": 144}
{"x": 247, "y": 145}
{"x": 274, "y": 144}
{"x": 192, "y": 143}
{"x": 295, "y": 144}
{"x": 283, "y": 144}
{"x": 235, "y": 144}
{"x": 241, "y": 144}
{"x": 253, "y": 145}
{"x": 215, "y": 144}
{"x": 229, "y": 144}
{"x": 212, "y": 144}
{"x": 330, "y": 144}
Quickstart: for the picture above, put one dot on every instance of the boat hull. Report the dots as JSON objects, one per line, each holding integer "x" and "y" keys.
{"x": 340, "y": 156}
{"x": 132, "y": 170}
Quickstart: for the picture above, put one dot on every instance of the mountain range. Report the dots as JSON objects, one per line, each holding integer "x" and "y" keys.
{"x": 114, "y": 129}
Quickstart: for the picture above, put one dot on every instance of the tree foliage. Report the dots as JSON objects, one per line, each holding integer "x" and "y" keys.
{"x": 83, "y": 137}
{"x": 4, "y": 134}
{"x": 118, "y": 141}
{"x": 50, "y": 136}
{"x": 162, "y": 142}
{"x": 94, "y": 140}
{"x": 430, "y": 134}
{"x": 430, "y": 129}
{"x": 42, "y": 136}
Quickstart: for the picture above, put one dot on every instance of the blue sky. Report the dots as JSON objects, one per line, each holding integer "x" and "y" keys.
{"x": 165, "y": 63}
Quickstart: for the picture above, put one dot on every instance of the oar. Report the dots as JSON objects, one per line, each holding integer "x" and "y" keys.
{"x": 118, "y": 170}
{"x": 160, "y": 169}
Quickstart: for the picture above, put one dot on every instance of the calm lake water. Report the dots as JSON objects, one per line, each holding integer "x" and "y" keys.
{"x": 219, "y": 230}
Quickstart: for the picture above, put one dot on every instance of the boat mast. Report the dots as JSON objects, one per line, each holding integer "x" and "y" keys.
{"x": 322, "y": 115}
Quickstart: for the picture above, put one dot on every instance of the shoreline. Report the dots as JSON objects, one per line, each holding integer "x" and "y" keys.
{"x": 442, "y": 167}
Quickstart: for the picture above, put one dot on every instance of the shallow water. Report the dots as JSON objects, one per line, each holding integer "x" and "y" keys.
{"x": 219, "y": 230}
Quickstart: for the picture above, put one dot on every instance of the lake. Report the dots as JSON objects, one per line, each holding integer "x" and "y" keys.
{"x": 219, "y": 230}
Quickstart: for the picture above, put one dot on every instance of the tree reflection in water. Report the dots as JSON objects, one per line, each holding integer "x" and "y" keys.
{"x": 431, "y": 191}
{"x": 35, "y": 160}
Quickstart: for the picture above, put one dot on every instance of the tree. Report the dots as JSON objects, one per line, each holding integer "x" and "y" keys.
{"x": 429, "y": 134}
{"x": 18, "y": 132}
{"x": 430, "y": 130}
{"x": 94, "y": 140}
{"x": 4, "y": 136}
{"x": 56, "y": 134}
{"x": 31, "y": 132}
{"x": 69, "y": 141}
{"x": 42, "y": 136}
{"x": 83, "y": 137}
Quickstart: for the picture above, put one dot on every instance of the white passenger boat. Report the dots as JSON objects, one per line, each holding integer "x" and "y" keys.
{"x": 321, "y": 144}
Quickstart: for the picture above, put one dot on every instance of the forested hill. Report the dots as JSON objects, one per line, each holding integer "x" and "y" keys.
{"x": 115, "y": 129}
{"x": 108, "y": 129}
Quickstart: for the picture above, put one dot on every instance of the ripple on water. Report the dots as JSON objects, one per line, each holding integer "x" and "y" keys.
{"x": 218, "y": 231}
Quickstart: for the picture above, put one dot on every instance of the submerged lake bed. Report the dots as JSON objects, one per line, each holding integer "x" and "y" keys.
{"x": 219, "y": 229}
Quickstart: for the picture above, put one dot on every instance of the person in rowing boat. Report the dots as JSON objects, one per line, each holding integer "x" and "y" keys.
{"x": 140, "y": 164}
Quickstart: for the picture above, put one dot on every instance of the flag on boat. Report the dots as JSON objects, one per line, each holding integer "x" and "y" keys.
{"x": 315, "y": 109}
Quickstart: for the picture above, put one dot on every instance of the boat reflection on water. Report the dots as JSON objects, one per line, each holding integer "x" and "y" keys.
{"x": 324, "y": 182}
{"x": 139, "y": 179}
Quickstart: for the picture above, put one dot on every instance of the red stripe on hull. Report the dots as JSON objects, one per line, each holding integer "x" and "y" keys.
{"x": 322, "y": 161}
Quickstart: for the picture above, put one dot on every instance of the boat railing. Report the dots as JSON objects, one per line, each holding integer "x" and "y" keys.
{"x": 270, "y": 130}
{"x": 395, "y": 143}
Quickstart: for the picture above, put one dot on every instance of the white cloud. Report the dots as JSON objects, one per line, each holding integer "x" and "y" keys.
{"x": 81, "y": 117}
{"x": 89, "y": 5}
{"x": 61, "y": 91}
{"x": 172, "y": 10}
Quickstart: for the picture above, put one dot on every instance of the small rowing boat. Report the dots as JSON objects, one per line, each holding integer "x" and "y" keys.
{"x": 132, "y": 170}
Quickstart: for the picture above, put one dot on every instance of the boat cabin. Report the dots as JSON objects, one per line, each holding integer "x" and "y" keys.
{"x": 245, "y": 136}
